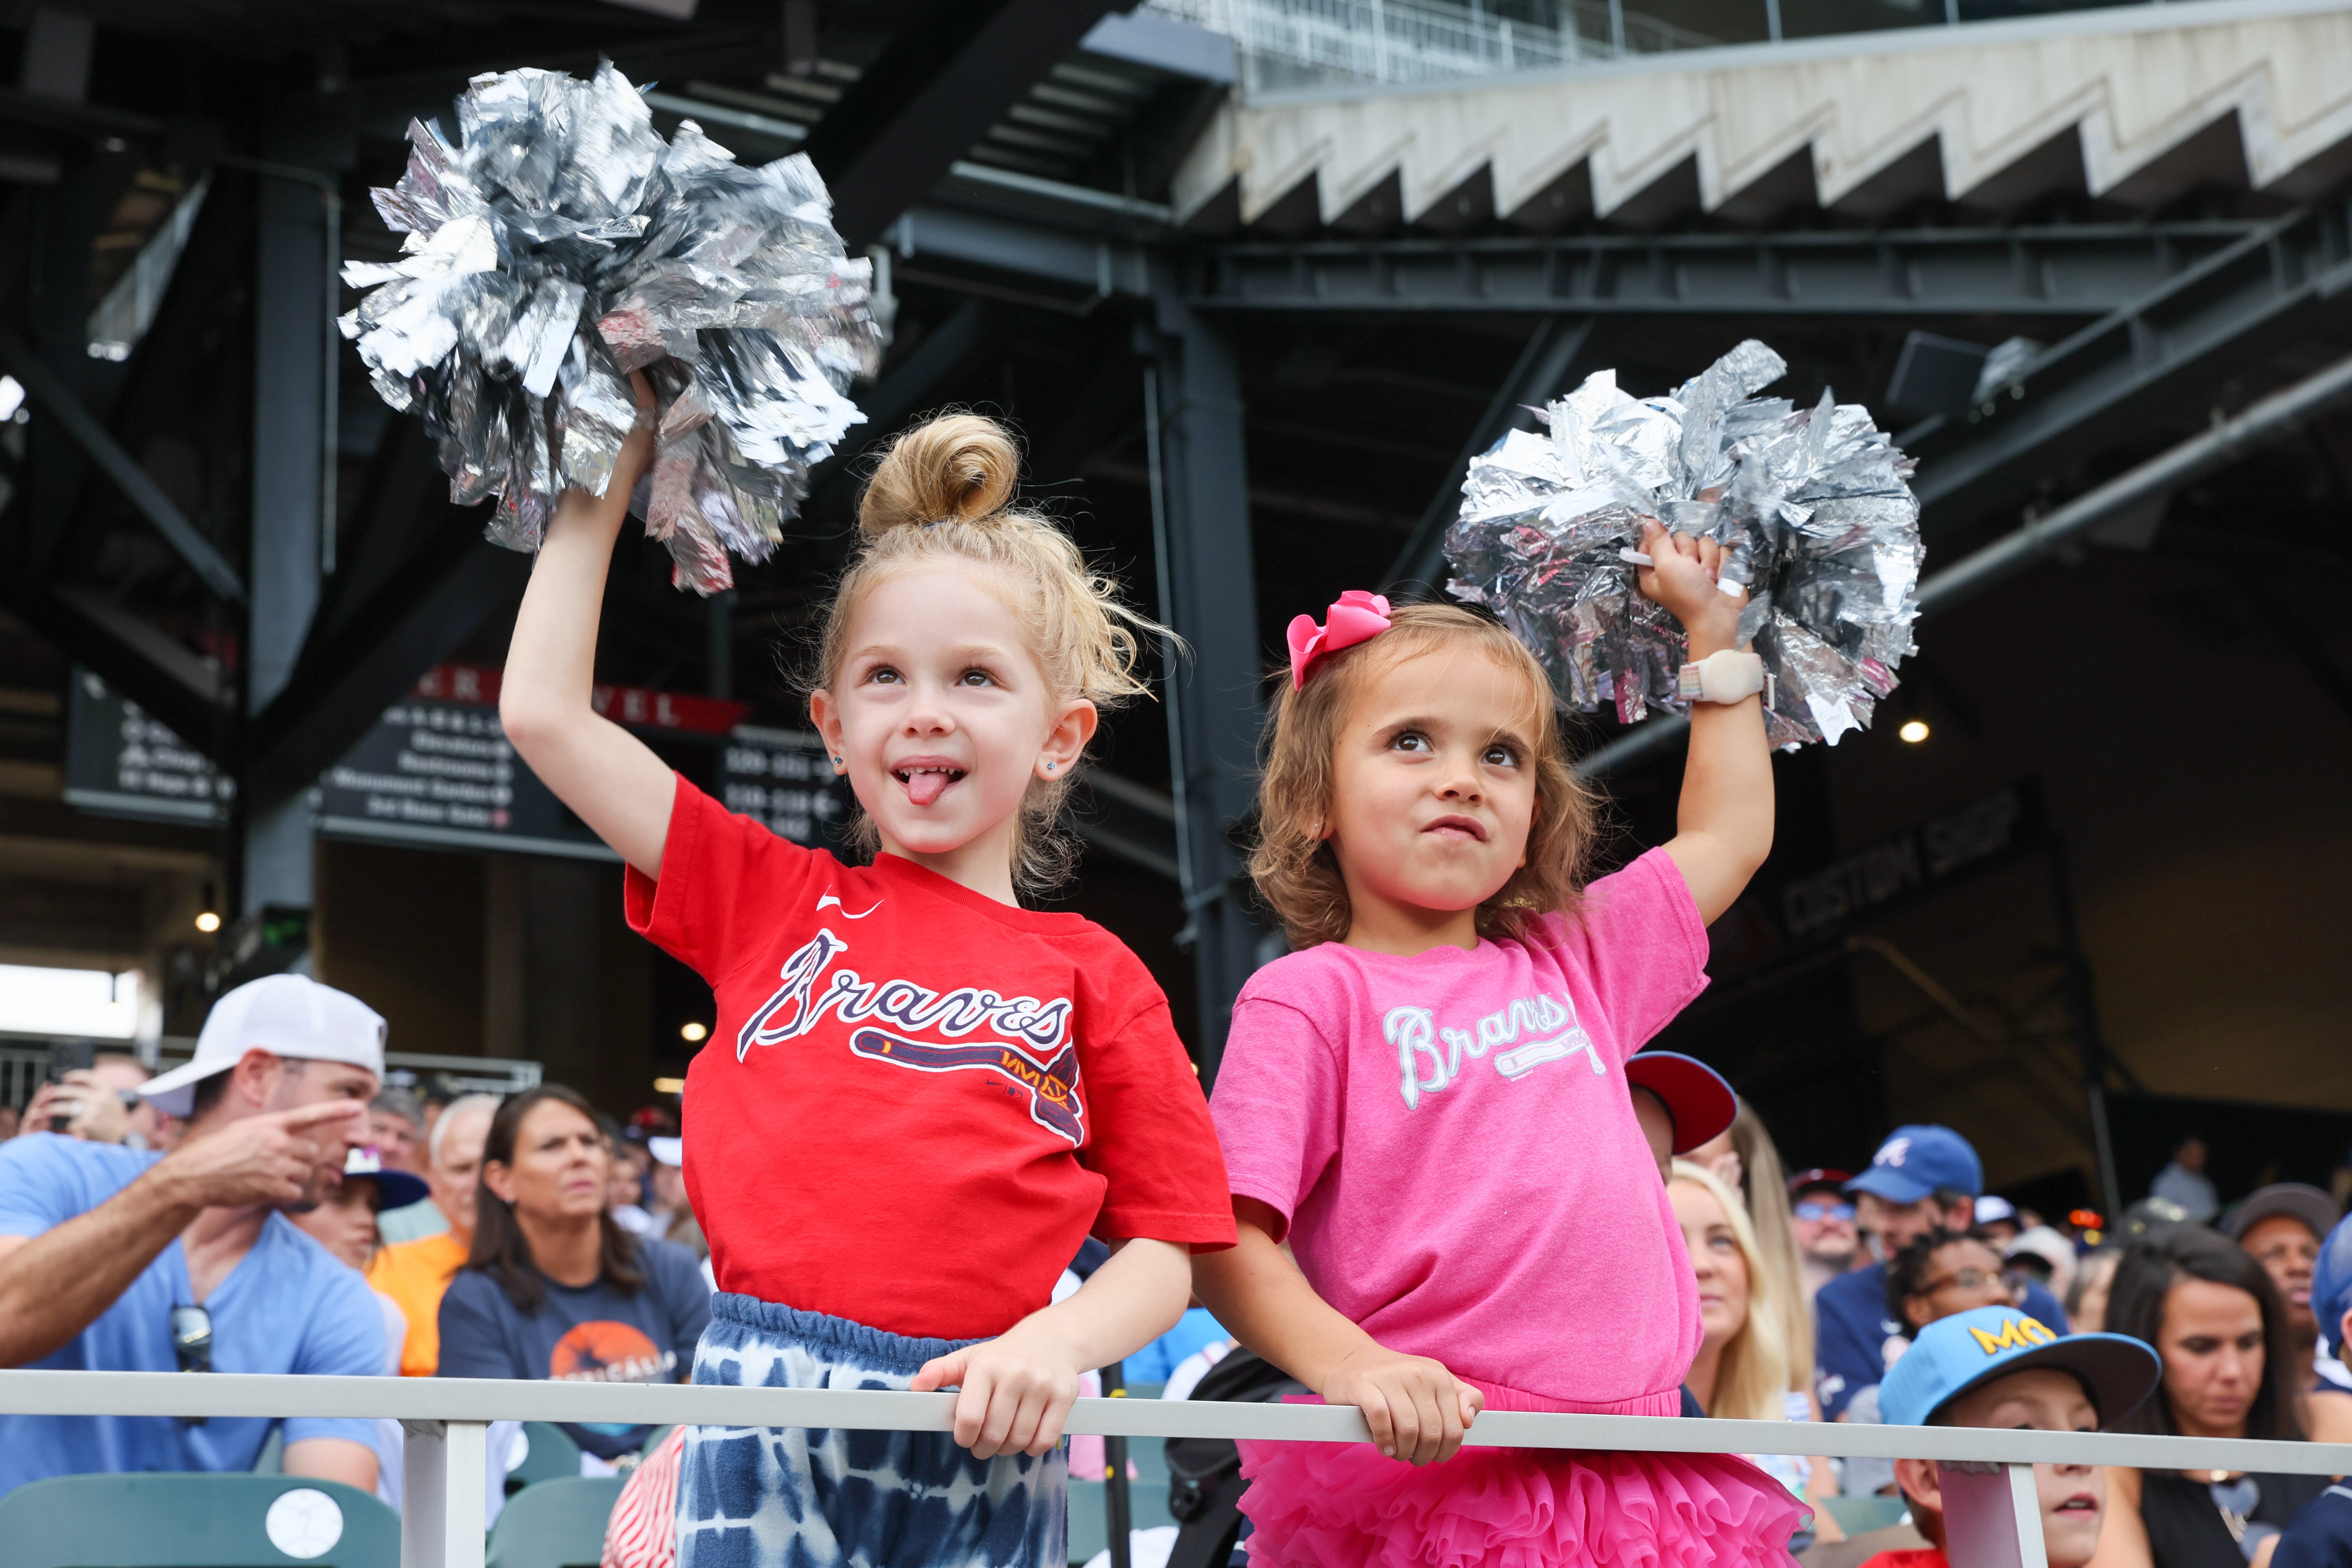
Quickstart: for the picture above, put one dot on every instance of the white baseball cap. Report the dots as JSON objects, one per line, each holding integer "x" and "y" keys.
{"x": 669, "y": 1152}
{"x": 287, "y": 1015}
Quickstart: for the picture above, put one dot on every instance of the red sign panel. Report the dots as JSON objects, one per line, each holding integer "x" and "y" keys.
{"x": 633, "y": 705}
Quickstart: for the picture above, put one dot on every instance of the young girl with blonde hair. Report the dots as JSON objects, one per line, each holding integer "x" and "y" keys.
{"x": 1428, "y": 1100}
{"x": 1744, "y": 1370}
{"x": 921, "y": 1096}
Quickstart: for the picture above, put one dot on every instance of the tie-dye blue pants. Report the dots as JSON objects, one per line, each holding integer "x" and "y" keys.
{"x": 752, "y": 1497}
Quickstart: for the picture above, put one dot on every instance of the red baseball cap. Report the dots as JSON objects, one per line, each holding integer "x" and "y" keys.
{"x": 1695, "y": 1095}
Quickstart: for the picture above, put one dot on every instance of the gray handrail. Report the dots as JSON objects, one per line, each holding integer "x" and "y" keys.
{"x": 495, "y": 1399}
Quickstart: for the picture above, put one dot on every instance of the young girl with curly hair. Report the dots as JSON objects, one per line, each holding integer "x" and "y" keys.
{"x": 921, "y": 1096}
{"x": 1427, "y": 1100}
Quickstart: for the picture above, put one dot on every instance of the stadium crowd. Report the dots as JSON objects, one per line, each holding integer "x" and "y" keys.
{"x": 273, "y": 1206}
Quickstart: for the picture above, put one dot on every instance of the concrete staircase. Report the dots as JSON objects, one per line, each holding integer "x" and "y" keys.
{"x": 2130, "y": 105}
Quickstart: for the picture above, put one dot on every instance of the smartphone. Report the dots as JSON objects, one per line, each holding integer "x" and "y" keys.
{"x": 65, "y": 1057}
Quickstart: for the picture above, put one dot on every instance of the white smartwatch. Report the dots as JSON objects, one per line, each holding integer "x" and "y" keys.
{"x": 1723, "y": 675}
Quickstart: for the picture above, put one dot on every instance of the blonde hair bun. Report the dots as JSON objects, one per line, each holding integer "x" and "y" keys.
{"x": 957, "y": 468}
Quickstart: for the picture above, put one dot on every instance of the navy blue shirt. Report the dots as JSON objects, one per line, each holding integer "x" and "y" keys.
{"x": 1852, "y": 1335}
{"x": 2320, "y": 1535}
{"x": 289, "y": 1306}
{"x": 593, "y": 1332}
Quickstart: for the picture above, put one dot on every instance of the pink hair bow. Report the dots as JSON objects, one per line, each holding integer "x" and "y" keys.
{"x": 1356, "y": 617}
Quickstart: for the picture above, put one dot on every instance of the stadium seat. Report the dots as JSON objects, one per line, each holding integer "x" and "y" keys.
{"x": 555, "y": 1524}
{"x": 551, "y": 1457}
{"x": 230, "y": 1521}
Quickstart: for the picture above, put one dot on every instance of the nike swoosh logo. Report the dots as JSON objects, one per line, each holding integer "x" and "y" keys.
{"x": 830, "y": 902}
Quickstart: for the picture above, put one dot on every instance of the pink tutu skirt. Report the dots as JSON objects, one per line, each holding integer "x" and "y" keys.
{"x": 1341, "y": 1505}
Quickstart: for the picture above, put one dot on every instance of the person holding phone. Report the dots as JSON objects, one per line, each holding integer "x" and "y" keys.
{"x": 99, "y": 1096}
{"x": 120, "y": 1259}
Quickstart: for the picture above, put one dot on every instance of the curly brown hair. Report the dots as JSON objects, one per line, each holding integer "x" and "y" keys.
{"x": 1294, "y": 869}
{"x": 943, "y": 492}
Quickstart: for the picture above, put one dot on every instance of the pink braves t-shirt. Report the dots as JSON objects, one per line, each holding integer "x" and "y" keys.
{"x": 1450, "y": 1140}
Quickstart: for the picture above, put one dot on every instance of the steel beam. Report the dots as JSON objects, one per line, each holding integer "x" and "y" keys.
{"x": 2065, "y": 270}
{"x": 1208, "y": 595}
{"x": 51, "y": 394}
{"x": 2163, "y": 349}
{"x": 944, "y": 79}
{"x": 1543, "y": 366}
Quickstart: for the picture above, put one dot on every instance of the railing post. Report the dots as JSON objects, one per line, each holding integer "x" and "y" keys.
{"x": 1992, "y": 1515}
{"x": 445, "y": 1496}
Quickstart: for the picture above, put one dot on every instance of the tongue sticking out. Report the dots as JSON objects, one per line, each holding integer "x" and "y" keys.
{"x": 925, "y": 787}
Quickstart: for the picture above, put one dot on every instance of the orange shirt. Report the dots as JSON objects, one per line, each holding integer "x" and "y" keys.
{"x": 414, "y": 1273}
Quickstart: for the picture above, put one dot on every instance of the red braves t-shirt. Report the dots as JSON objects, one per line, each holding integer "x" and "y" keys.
{"x": 917, "y": 1101}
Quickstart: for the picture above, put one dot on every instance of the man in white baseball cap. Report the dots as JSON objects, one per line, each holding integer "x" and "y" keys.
{"x": 91, "y": 1278}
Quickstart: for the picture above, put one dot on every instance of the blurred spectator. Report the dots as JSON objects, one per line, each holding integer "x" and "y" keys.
{"x": 2219, "y": 1328}
{"x": 2330, "y": 1405}
{"x": 1741, "y": 1372}
{"x": 2183, "y": 1182}
{"x": 2281, "y": 1228}
{"x": 102, "y": 1104}
{"x": 1922, "y": 1178}
{"x": 2040, "y": 1254}
{"x": 416, "y": 1273}
{"x": 672, "y": 1213}
{"x": 1942, "y": 1274}
{"x": 345, "y": 1224}
{"x": 398, "y": 1123}
{"x": 411, "y": 1222}
{"x": 1763, "y": 1188}
{"x": 628, "y": 1196}
{"x": 1994, "y": 1366}
{"x": 2320, "y": 1536}
{"x": 2086, "y": 1297}
{"x": 1997, "y": 1219}
{"x": 1821, "y": 1217}
{"x": 119, "y": 1260}
{"x": 553, "y": 1288}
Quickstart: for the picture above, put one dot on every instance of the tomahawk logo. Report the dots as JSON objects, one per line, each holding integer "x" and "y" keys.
{"x": 1034, "y": 1052}
{"x": 1053, "y": 1087}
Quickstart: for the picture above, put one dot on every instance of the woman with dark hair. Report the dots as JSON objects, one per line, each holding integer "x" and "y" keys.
{"x": 2220, "y": 1326}
{"x": 553, "y": 1286}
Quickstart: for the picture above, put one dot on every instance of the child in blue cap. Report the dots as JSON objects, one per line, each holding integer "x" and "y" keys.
{"x": 2320, "y": 1536}
{"x": 1995, "y": 1366}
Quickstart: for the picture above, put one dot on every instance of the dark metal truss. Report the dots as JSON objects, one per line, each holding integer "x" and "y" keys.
{"x": 2072, "y": 269}
{"x": 2172, "y": 347}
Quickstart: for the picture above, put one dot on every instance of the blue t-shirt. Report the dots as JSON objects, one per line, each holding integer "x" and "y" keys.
{"x": 2320, "y": 1536}
{"x": 594, "y": 1332}
{"x": 289, "y": 1306}
{"x": 1852, "y": 1333}
{"x": 1155, "y": 1361}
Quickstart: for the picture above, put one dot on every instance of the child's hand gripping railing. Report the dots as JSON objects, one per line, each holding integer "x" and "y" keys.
{"x": 1991, "y": 1517}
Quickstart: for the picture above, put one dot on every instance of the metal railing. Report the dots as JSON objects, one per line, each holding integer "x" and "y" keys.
{"x": 1991, "y": 1516}
{"x": 1416, "y": 40}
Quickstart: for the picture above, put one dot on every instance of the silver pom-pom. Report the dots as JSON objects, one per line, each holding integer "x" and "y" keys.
{"x": 560, "y": 243}
{"x": 1812, "y": 505}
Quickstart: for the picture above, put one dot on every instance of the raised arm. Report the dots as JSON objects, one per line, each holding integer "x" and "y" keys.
{"x": 1724, "y": 825}
{"x": 1416, "y": 1409}
{"x": 55, "y": 1284}
{"x": 608, "y": 776}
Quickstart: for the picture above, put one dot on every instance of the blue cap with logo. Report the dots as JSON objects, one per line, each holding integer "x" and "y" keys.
{"x": 1917, "y": 1160}
{"x": 2331, "y": 1285}
{"x": 1968, "y": 1349}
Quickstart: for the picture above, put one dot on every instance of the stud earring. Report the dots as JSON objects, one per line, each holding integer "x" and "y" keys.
{"x": 1049, "y": 767}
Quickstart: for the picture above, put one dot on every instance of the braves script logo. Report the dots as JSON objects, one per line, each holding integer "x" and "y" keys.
{"x": 1037, "y": 1057}
{"x": 1426, "y": 1069}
